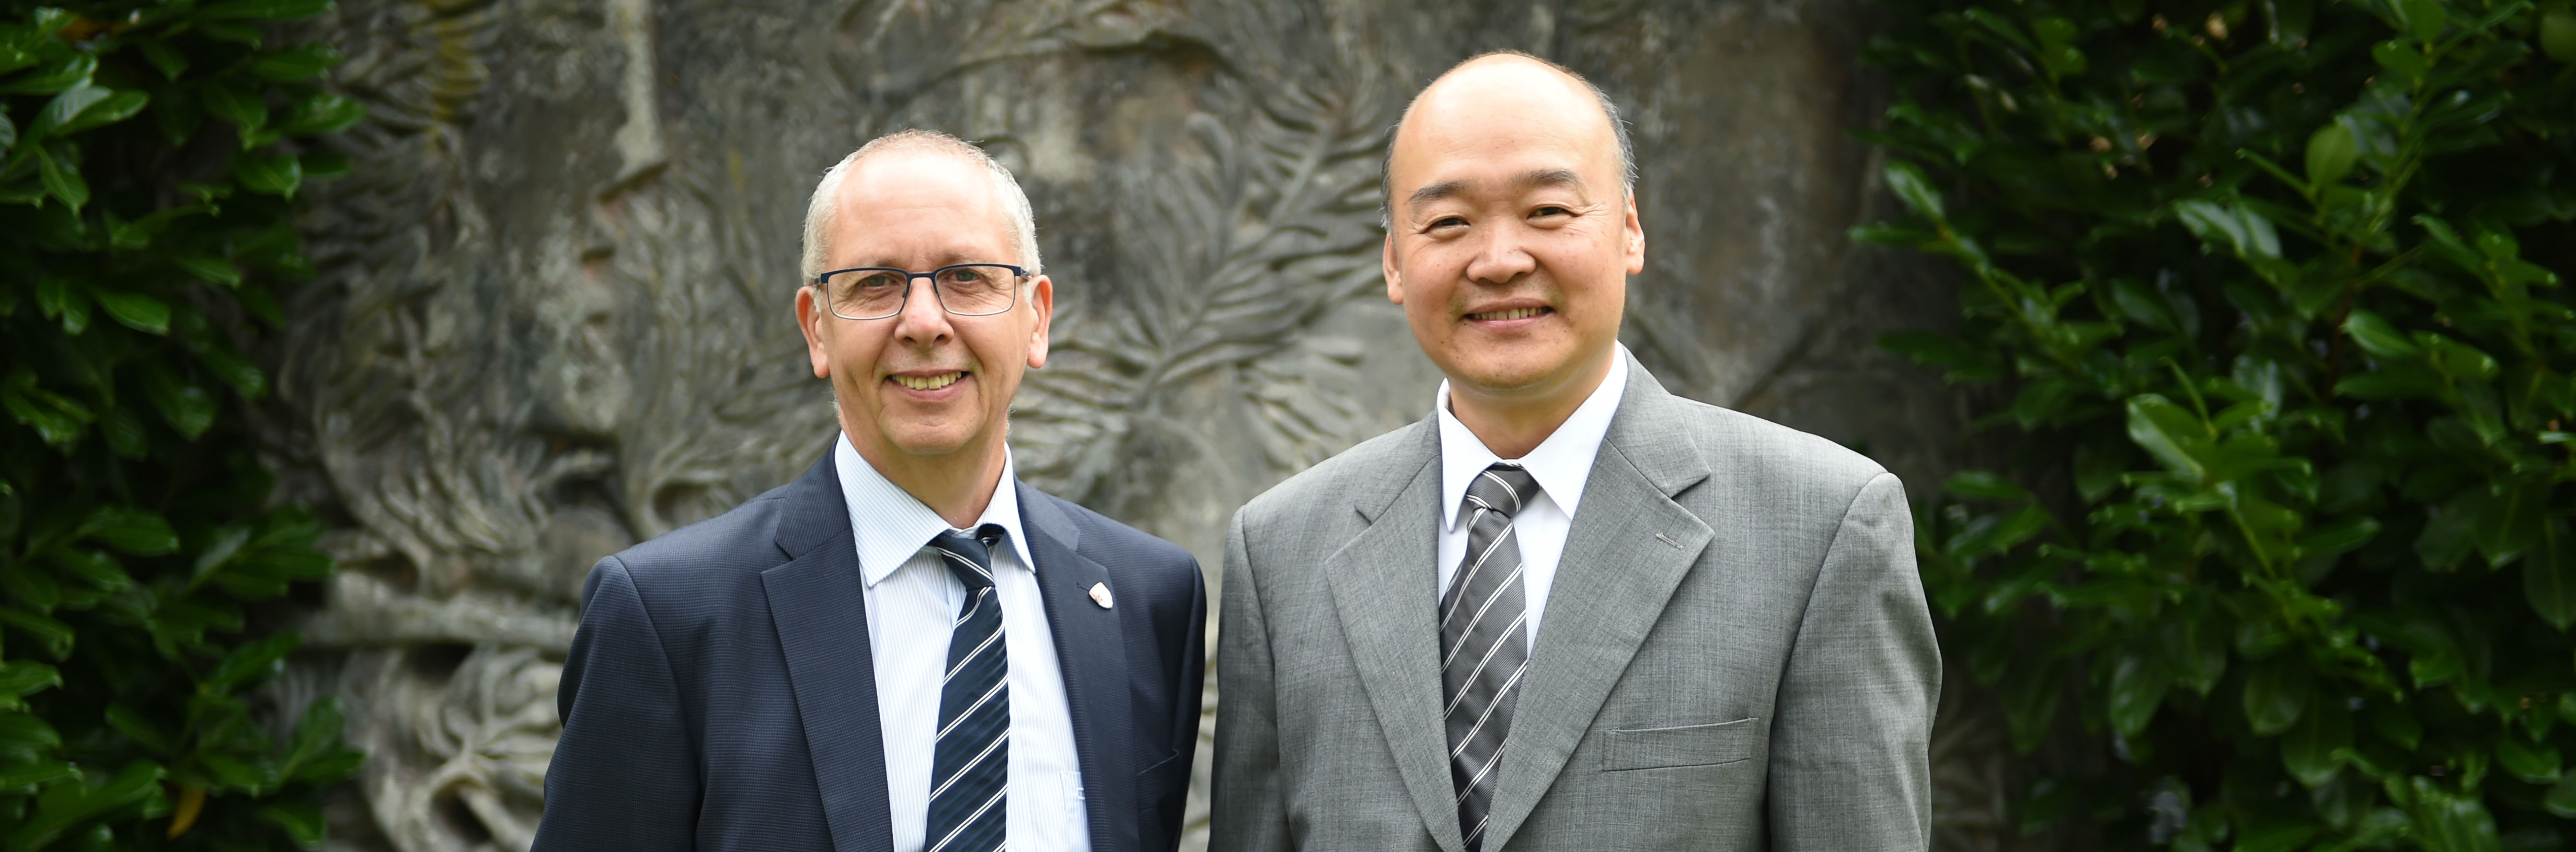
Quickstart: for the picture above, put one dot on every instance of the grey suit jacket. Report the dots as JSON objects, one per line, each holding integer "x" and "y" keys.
{"x": 1736, "y": 653}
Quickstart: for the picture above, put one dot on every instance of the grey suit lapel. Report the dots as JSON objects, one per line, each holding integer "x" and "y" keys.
{"x": 1385, "y": 588}
{"x": 1629, "y": 548}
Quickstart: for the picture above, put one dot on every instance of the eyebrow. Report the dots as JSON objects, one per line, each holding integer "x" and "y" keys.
{"x": 1528, "y": 180}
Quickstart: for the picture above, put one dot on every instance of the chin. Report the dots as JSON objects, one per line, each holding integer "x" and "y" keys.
{"x": 1505, "y": 374}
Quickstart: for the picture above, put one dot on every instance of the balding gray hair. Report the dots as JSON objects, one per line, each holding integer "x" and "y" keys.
{"x": 1609, "y": 110}
{"x": 822, "y": 209}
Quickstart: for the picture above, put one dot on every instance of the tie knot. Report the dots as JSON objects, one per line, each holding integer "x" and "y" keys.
{"x": 1503, "y": 488}
{"x": 969, "y": 554}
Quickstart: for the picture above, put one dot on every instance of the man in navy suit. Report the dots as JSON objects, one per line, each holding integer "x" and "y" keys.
{"x": 906, "y": 649}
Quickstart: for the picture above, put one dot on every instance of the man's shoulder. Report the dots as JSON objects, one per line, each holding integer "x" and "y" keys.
{"x": 1744, "y": 450}
{"x": 742, "y": 541}
{"x": 1382, "y": 463}
{"x": 1107, "y": 541}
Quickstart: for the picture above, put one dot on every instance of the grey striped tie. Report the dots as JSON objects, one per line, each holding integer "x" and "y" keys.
{"x": 1482, "y": 649}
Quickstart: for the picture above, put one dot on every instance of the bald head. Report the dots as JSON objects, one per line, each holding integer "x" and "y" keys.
{"x": 1523, "y": 87}
{"x": 824, "y": 206}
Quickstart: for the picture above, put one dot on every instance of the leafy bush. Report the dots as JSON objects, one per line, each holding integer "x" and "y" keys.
{"x": 2270, "y": 286}
{"x": 146, "y": 182}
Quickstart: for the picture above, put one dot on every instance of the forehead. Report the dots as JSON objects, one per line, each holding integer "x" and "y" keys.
{"x": 907, "y": 203}
{"x": 1491, "y": 124}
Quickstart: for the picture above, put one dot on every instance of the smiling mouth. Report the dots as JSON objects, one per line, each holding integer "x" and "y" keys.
{"x": 931, "y": 382}
{"x": 1510, "y": 314}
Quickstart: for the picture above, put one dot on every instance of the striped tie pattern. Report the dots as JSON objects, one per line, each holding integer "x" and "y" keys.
{"x": 1483, "y": 649}
{"x": 970, "y": 764}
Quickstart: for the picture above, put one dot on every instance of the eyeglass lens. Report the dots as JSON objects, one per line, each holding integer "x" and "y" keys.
{"x": 968, "y": 290}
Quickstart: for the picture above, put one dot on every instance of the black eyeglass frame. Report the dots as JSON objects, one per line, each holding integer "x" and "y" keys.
{"x": 1019, "y": 277}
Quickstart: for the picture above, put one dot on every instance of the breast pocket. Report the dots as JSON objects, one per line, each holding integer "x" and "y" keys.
{"x": 1688, "y": 745}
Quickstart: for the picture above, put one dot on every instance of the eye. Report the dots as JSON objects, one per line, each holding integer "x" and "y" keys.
{"x": 1446, "y": 222}
{"x": 1546, "y": 210}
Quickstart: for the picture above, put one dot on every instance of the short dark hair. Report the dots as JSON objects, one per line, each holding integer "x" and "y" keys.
{"x": 1609, "y": 110}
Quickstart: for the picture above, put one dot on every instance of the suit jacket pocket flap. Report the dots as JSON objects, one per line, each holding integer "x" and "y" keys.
{"x": 1688, "y": 745}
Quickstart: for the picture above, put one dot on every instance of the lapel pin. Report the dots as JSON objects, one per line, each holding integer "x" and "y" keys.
{"x": 1100, "y": 595}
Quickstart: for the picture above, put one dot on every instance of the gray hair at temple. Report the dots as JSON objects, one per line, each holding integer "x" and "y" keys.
{"x": 1609, "y": 110}
{"x": 820, "y": 211}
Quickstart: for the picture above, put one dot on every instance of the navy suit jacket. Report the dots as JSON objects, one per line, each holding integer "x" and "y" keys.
{"x": 721, "y": 694}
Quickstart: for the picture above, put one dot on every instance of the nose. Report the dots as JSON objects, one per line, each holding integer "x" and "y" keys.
{"x": 1500, "y": 259}
{"x": 923, "y": 323}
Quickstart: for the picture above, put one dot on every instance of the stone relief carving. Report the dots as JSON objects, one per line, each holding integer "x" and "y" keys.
{"x": 554, "y": 317}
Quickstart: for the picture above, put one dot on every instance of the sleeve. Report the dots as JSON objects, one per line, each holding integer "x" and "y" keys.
{"x": 1247, "y": 811}
{"x": 1188, "y": 690}
{"x": 624, "y": 776}
{"x": 1851, "y": 734}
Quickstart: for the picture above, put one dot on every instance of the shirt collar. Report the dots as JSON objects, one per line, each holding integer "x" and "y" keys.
{"x": 891, "y": 524}
{"x": 1561, "y": 463}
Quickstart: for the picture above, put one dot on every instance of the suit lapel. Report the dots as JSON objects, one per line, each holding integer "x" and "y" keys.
{"x": 1092, "y": 649}
{"x": 818, "y": 604}
{"x": 1629, "y": 548}
{"x": 1385, "y": 589}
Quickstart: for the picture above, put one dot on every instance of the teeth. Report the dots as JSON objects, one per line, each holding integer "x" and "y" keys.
{"x": 1513, "y": 314}
{"x": 931, "y": 382}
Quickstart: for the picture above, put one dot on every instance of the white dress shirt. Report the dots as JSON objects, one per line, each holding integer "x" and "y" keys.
{"x": 912, "y": 604}
{"x": 1561, "y": 464}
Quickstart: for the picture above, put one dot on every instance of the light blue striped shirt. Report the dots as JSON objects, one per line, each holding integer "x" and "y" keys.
{"x": 912, "y": 604}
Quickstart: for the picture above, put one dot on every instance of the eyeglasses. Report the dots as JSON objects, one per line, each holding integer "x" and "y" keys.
{"x": 878, "y": 292}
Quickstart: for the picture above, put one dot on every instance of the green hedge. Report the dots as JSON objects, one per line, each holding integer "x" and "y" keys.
{"x": 2276, "y": 292}
{"x": 149, "y": 157}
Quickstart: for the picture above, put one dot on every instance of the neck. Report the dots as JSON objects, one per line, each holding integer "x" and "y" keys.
{"x": 958, "y": 485}
{"x": 1515, "y": 422}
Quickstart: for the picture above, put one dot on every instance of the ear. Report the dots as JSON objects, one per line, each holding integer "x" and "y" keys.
{"x": 1041, "y": 303}
{"x": 1386, "y": 266}
{"x": 1636, "y": 238}
{"x": 810, "y": 318}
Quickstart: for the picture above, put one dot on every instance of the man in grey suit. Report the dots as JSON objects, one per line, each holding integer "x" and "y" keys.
{"x": 1569, "y": 610}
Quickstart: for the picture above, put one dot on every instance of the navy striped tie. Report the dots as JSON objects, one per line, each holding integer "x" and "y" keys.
{"x": 970, "y": 765}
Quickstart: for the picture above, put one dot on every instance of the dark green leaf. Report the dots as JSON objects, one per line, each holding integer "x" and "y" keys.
{"x": 62, "y": 180}
{"x": 135, "y": 531}
{"x": 264, "y": 10}
{"x": 2331, "y": 153}
{"x": 2558, "y": 34}
{"x": 2378, "y": 338}
{"x": 237, "y": 102}
{"x": 2174, "y": 436}
{"x": 252, "y": 662}
{"x": 1916, "y": 190}
{"x": 2309, "y": 749}
{"x": 210, "y": 269}
{"x": 22, "y": 678}
{"x": 2532, "y": 762}
{"x": 323, "y": 113}
{"x": 295, "y": 64}
{"x": 1984, "y": 485}
{"x": 72, "y": 70}
{"x": 268, "y": 174}
{"x": 55, "y": 636}
{"x": 302, "y": 821}
{"x": 2561, "y": 800}
{"x": 2276, "y": 693}
{"x": 2424, "y": 19}
{"x": 2549, "y": 576}
{"x": 2137, "y": 689}
{"x": 115, "y": 107}
{"x": 183, "y": 404}
{"x": 135, "y": 310}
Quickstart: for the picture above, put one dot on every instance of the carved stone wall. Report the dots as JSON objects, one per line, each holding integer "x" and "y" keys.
{"x": 555, "y": 317}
